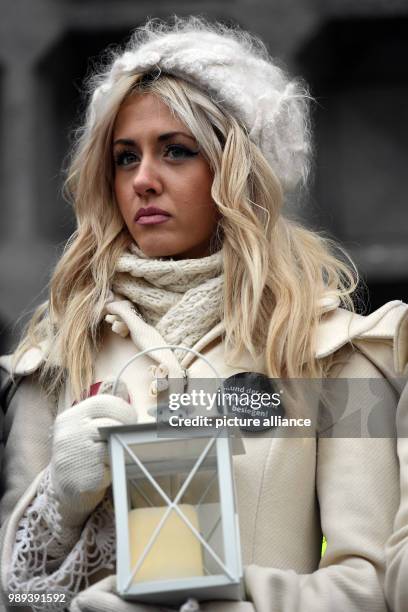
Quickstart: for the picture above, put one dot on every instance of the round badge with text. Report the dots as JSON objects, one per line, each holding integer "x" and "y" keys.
{"x": 253, "y": 399}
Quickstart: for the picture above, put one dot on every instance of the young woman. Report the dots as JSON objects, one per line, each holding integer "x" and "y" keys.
{"x": 192, "y": 142}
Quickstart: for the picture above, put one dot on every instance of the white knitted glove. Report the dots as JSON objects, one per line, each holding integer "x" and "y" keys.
{"x": 80, "y": 470}
{"x": 102, "y": 597}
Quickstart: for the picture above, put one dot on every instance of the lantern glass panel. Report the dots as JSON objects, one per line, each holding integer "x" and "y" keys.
{"x": 174, "y": 511}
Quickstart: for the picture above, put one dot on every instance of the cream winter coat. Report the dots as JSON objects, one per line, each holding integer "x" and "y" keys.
{"x": 289, "y": 491}
{"x": 396, "y": 582}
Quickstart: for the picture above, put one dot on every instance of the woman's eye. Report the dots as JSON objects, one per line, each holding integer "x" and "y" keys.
{"x": 125, "y": 158}
{"x": 179, "y": 152}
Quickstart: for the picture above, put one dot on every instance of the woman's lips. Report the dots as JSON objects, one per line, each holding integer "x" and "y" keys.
{"x": 152, "y": 219}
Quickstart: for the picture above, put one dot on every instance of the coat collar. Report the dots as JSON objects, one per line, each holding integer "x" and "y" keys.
{"x": 27, "y": 364}
{"x": 341, "y": 327}
{"x": 337, "y": 328}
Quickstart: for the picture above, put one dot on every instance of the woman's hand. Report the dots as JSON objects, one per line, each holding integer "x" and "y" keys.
{"x": 80, "y": 470}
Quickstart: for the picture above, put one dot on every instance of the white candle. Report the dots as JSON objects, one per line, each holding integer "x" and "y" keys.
{"x": 176, "y": 552}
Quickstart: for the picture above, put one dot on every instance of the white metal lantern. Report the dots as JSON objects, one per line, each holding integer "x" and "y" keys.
{"x": 176, "y": 522}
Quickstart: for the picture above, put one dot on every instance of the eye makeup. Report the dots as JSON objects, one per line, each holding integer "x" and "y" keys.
{"x": 174, "y": 152}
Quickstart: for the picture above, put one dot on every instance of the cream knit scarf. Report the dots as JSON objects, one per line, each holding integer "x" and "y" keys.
{"x": 181, "y": 298}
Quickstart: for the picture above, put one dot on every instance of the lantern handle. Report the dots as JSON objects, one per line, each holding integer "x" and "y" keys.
{"x": 168, "y": 346}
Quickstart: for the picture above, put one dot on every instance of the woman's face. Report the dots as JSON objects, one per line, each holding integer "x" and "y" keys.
{"x": 162, "y": 181}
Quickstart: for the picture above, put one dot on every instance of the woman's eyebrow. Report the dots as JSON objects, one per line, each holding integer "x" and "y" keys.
{"x": 162, "y": 137}
{"x": 168, "y": 135}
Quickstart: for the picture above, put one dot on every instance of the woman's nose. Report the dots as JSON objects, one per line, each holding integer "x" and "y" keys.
{"x": 147, "y": 179}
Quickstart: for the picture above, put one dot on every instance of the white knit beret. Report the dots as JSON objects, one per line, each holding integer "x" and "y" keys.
{"x": 233, "y": 67}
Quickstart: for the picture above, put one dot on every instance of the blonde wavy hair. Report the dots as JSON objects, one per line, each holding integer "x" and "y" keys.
{"x": 276, "y": 272}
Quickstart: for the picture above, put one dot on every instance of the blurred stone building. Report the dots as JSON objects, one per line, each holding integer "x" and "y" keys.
{"x": 353, "y": 54}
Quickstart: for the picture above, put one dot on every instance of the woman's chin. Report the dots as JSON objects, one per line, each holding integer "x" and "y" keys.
{"x": 158, "y": 251}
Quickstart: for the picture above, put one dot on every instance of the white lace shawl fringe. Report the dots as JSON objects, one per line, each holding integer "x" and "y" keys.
{"x": 50, "y": 558}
